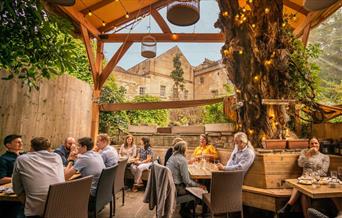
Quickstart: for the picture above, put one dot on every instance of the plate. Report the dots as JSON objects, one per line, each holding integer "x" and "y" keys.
{"x": 305, "y": 182}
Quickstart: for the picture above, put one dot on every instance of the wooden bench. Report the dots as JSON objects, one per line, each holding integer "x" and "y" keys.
{"x": 266, "y": 199}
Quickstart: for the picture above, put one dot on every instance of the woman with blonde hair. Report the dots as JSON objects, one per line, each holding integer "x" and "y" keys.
{"x": 204, "y": 149}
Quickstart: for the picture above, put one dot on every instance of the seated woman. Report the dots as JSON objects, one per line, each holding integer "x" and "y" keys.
{"x": 170, "y": 150}
{"x": 128, "y": 148}
{"x": 178, "y": 165}
{"x": 313, "y": 162}
{"x": 142, "y": 162}
{"x": 204, "y": 150}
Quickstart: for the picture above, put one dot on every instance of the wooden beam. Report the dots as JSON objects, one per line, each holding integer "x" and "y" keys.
{"x": 113, "y": 62}
{"x": 95, "y": 114}
{"x": 96, "y": 6}
{"x": 79, "y": 18}
{"x": 305, "y": 35}
{"x": 158, "y": 105}
{"x": 90, "y": 53}
{"x": 133, "y": 15}
{"x": 165, "y": 37}
{"x": 295, "y": 7}
{"x": 99, "y": 60}
{"x": 160, "y": 21}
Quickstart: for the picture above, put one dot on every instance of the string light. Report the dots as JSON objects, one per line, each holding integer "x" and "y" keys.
{"x": 268, "y": 62}
{"x": 174, "y": 36}
{"x": 226, "y": 52}
{"x": 127, "y": 15}
{"x": 238, "y": 91}
{"x": 244, "y": 9}
{"x": 89, "y": 13}
{"x": 251, "y": 131}
{"x": 103, "y": 23}
{"x": 294, "y": 18}
{"x": 283, "y": 25}
{"x": 241, "y": 52}
{"x": 256, "y": 78}
{"x": 225, "y": 13}
{"x": 250, "y": 1}
{"x": 253, "y": 25}
{"x": 267, "y": 10}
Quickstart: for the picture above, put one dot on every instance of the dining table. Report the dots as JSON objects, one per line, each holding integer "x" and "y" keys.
{"x": 202, "y": 170}
{"x": 7, "y": 194}
{"x": 314, "y": 191}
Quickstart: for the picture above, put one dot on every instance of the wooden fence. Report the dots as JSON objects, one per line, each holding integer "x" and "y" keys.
{"x": 327, "y": 130}
{"x": 60, "y": 108}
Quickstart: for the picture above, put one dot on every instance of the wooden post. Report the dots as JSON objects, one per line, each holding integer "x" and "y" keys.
{"x": 95, "y": 115}
{"x": 298, "y": 128}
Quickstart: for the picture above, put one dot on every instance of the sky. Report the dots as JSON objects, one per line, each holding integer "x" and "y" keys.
{"x": 194, "y": 52}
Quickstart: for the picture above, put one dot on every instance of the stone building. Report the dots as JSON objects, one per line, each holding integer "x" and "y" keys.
{"x": 152, "y": 77}
{"x": 210, "y": 78}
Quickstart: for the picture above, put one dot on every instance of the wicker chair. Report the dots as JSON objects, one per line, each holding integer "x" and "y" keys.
{"x": 64, "y": 197}
{"x": 119, "y": 182}
{"x": 104, "y": 191}
{"x": 226, "y": 192}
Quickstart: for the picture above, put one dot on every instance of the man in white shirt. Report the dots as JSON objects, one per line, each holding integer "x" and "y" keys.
{"x": 34, "y": 172}
{"x": 108, "y": 153}
{"x": 242, "y": 156}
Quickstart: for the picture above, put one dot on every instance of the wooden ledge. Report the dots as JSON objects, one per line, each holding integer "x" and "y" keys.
{"x": 274, "y": 192}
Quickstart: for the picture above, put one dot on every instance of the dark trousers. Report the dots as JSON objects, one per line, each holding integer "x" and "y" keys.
{"x": 11, "y": 209}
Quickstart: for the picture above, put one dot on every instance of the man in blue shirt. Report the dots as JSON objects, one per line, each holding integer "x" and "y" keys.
{"x": 64, "y": 150}
{"x": 14, "y": 145}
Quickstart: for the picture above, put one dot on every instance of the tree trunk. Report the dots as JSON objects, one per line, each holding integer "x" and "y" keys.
{"x": 256, "y": 54}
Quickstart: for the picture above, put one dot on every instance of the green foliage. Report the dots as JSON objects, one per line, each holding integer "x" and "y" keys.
{"x": 304, "y": 80}
{"x": 148, "y": 117}
{"x": 111, "y": 122}
{"x": 214, "y": 113}
{"x": 35, "y": 45}
{"x": 177, "y": 73}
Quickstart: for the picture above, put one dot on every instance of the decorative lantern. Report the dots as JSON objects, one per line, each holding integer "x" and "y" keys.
{"x": 148, "y": 47}
{"x": 315, "y": 5}
{"x": 183, "y": 12}
{"x": 62, "y": 2}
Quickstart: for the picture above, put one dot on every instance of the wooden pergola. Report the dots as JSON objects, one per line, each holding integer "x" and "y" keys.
{"x": 97, "y": 18}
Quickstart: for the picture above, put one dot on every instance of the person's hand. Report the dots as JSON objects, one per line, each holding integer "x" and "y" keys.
{"x": 311, "y": 152}
{"x": 220, "y": 166}
{"x": 203, "y": 187}
{"x": 72, "y": 155}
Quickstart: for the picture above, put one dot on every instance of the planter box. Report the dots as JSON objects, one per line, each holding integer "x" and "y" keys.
{"x": 274, "y": 144}
{"x": 219, "y": 127}
{"x": 187, "y": 130}
{"x": 297, "y": 143}
{"x": 270, "y": 170}
{"x": 164, "y": 130}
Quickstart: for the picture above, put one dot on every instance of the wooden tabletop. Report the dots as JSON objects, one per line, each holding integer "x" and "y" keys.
{"x": 199, "y": 171}
{"x": 323, "y": 191}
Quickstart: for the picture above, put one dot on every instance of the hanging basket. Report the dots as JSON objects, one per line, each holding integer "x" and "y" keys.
{"x": 148, "y": 47}
{"x": 315, "y": 5}
{"x": 183, "y": 12}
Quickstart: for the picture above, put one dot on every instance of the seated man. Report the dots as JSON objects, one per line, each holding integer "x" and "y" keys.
{"x": 242, "y": 156}
{"x": 88, "y": 163}
{"x": 14, "y": 145}
{"x": 108, "y": 153}
{"x": 34, "y": 172}
{"x": 64, "y": 150}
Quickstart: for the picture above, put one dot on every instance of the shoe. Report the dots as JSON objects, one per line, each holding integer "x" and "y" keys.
{"x": 134, "y": 189}
{"x": 287, "y": 208}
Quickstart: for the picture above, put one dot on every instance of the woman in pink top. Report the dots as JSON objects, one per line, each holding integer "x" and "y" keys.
{"x": 128, "y": 148}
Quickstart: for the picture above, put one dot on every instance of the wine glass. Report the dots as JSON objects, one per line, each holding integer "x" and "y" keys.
{"x": 339, "y": 172}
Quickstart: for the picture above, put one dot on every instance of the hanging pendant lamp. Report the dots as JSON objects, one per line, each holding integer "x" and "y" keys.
{"x": 316, "y": 5}
{"x": 183, "y": 12}
{"x": 148, "y": 46}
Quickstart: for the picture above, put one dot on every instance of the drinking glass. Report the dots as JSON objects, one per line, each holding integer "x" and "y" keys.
{"x": 339, "y": 172}
{"x": 333, "y": 174}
